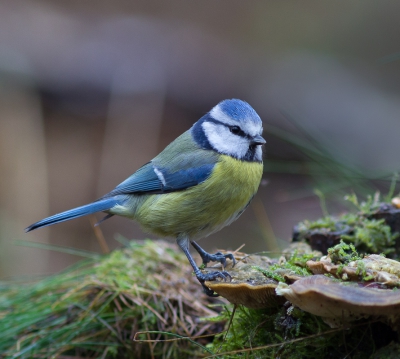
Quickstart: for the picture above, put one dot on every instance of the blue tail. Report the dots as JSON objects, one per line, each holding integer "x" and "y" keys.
{"x": 98, "y": 206}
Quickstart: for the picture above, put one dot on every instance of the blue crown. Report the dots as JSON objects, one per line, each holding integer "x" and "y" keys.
{"x": 239, "y": 110}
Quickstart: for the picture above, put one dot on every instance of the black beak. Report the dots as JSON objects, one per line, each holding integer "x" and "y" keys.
{"x": 258, "y": 140}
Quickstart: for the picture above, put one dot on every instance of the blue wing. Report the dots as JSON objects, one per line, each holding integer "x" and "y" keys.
{"x": 153, "y": 179}
{"x": 143, "y": 180}
{"x": 181, "y": 165}
{"x": 148, "y": 179}
{"x": 185, "y": 178}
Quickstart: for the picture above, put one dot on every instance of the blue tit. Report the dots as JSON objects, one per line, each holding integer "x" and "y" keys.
{"x": 198, "y": 184}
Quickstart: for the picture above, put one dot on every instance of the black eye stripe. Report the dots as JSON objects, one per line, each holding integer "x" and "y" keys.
{"x": 236, "y": 130}
{"x": 207, "y": 118}
{"x": 200, "y": 137}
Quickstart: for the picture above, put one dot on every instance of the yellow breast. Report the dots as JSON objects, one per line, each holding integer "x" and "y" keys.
{"x": 203, "y": 209}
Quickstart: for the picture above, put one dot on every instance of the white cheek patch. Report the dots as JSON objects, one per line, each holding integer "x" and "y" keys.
{"x": 249, "y": 127}
{"x": 223, "y": 141}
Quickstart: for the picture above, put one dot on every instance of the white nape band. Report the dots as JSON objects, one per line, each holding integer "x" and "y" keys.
{"x": 221, "y": 116}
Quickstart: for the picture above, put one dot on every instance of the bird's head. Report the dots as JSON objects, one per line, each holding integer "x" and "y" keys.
{"x": 232, "y": 128}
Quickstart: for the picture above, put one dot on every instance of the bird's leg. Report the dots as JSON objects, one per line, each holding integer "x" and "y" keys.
{"x": 183, "y": 243}
{"x": 216, "y": 257}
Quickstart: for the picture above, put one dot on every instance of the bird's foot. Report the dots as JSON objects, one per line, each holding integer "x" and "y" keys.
{"x": 216, "y": 257}
{"x": 211, "y": 276}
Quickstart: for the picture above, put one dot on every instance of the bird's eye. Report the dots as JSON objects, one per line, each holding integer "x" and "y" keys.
{"x": 235, "y": 130}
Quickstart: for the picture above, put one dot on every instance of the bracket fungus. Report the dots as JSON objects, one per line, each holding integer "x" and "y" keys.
{"x": 341, "y": 301}
{"x": 255, "y": 277}
{"x": 372, "y": 268}
{"x": 249, "y": 286}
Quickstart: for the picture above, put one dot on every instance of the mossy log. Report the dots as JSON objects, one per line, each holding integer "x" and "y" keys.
{"x": 142, "y": 301}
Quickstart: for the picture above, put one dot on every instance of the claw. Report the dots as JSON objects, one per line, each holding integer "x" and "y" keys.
{"x": 209, "y": 291}
{"x": 217, "y": 257}
{"x": 202, "y": 277}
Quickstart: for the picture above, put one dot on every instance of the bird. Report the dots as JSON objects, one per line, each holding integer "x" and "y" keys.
{"x": 201, "y": 182}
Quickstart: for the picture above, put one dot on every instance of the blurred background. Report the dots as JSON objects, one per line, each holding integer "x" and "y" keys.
{"x": 91, "y": 90}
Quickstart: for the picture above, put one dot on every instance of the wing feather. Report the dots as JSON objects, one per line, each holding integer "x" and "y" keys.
{"x": 146, "y": 180}
{"x": 181, "y": 165}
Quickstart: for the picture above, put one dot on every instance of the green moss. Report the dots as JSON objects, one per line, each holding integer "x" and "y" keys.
{"x": 288, "y": 333}
{"x": 298, "y": 262}
{"x": 372, "y": 236}
{"x": 343, "y": 253}
{"x": 362, "y": 271}
{"x": 290, "y": 268}
{"x": 367, "y": 207}
{"x": 270, "y": 273}
{"x": 295, "y": 265}
{"x": 94, "y": 309}
{"x": 367, "y": 234}
{"x": 340, "y": 269}
{"x": 329, "y": 223}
